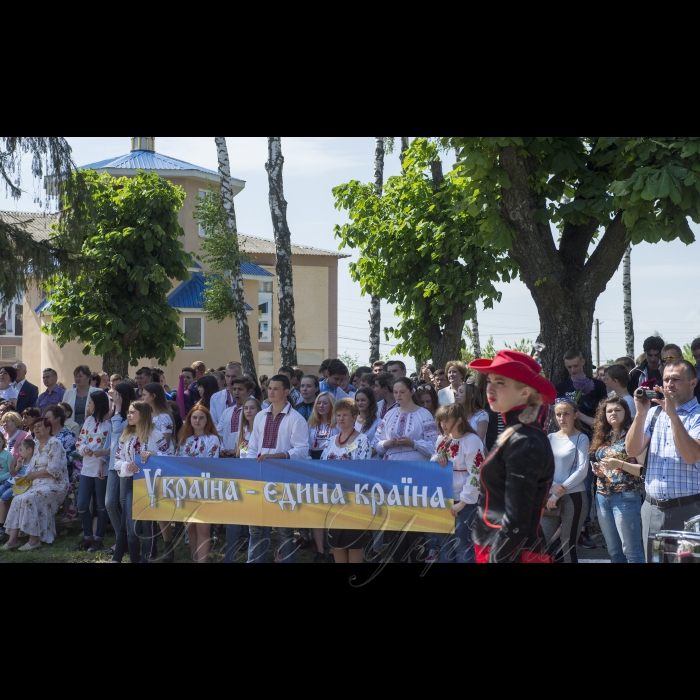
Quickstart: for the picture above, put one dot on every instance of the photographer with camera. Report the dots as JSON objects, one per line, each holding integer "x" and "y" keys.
{"x": 672, "y": 435}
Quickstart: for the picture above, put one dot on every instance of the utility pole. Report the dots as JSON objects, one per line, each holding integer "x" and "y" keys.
{"x": 597, "y": 343}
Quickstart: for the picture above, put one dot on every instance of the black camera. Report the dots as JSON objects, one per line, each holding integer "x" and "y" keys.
{"x": 648, "y": 394}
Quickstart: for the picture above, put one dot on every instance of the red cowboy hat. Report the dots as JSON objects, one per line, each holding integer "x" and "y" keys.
{"x": 519, "y": 366}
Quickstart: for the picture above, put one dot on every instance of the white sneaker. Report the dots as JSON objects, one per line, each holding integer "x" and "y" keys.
{"x": 433, "y": 555}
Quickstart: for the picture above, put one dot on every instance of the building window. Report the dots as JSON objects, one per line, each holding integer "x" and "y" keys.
{"x": 265, "y": 312}
{"x": 194, "y": 333}
{"x": 11, "y": 319}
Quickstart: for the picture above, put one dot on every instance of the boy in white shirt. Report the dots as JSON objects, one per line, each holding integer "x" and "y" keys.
{"x": 230, "y": 420}
{"x": 279, "y": 432}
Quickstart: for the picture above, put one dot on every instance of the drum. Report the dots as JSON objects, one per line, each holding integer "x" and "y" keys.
{"x": 692, "y": 525}
{"x": 672, "y": 547}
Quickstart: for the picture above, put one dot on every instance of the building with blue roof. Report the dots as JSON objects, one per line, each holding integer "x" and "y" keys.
{"x": 315, "y": 274}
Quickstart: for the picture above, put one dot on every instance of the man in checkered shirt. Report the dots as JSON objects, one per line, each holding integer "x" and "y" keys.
{"x": 672, "y": 482}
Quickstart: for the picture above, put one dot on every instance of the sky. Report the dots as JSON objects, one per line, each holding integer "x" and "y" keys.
{"x": 662, "y": 273}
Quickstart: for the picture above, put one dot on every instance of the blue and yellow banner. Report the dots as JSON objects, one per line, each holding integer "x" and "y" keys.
{"x": 344, "y": 494}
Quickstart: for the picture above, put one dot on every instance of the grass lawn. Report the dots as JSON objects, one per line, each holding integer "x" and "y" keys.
{"x": 61, "y": 551}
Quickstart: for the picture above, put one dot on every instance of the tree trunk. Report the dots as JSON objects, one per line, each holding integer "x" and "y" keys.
{"x": 404, "y": 148}
{"x": 283, "y": 248}
{"x": 446, "y": 344}
{"x": 476, "y": 343}
{"x": 375, "y": 314}
{"x": 565, "y": 284}
{"x": 627, "y": 303}
{"x": 242, "y": 329}
{"x": 112, "y": 363}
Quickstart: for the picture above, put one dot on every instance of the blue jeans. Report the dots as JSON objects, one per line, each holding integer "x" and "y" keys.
{"x": 620, "y": 519}
{"x": 260, "y": 544}
{"x": 234, "y": 533}
{"x": 112, "y": 500}
{"x": 139, "y": 536}
{"x": 90, "y": 485}
{"x": 458, "y": 547}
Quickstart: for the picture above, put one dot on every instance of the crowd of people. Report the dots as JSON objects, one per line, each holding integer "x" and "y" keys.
{"x": 528, "y": 459}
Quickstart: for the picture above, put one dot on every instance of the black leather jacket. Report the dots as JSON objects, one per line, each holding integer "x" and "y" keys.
{"x": 515, "y": 483}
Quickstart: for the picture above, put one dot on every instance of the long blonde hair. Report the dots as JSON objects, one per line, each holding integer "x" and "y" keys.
{"x": 144, "y": 427}
{"x": 315, "y": 419}
{"x": 244, "y": 425}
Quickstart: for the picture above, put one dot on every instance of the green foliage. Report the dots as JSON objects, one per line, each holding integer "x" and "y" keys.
{"x": 221, "y": 254}
{"x": 653, "y": 181}
{"x": 687, "y": 353}
{"x": 488, "y": 352}
{"x": 118, "y": 301}
{"x": 352, "y": 362}
{"x": 522, "y": 346}
{"x": 23, "y": 260}
{"x": 417, "y": 249}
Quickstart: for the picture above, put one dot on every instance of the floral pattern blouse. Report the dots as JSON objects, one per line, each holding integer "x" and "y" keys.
{"x": 94, "y": 436}
{"x": 359, "y": 448}
{"x": 465, "y": 455}
{"x": 68, "y": 441}
{"x": 131, "y": 446}
{"x": 204, "y": 446}
{"x": 617, "y": 480}
{"x": 163, "y": 423}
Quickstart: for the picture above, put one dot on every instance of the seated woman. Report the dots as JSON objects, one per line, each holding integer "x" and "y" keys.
{"x": 12, "y": 424}
{"x": 34, "y": 511}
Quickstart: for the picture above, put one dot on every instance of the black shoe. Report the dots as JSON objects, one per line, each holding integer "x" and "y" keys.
{"x": 97, "y": 546}
{"x": 83, "y": 545}
{"x": 586, "y": 542}
{"x": 319, "y": 558}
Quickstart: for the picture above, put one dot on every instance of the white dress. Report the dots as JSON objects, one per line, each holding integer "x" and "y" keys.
{"x": 205, "y": 446}
{"x": 359, "y": 448}
{"x": 34, "y": 511}
{"x": 418, "y": 425}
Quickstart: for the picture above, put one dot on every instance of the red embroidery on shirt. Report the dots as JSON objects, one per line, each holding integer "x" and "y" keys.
{"x": 272, "y": 428}
{"x": 236, "y": 419}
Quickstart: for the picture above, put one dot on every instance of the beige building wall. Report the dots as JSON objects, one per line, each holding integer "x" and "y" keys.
{"x": 315, "y": 297}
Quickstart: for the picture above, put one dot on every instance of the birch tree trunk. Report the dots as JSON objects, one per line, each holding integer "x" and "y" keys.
{"x": 242, "y": 329}
{"x": 404, "y": 148}
{"x": 375, "y": 315}
{"x": 627, "y": 302}
{"x": 283, "y": 249}
{"x": 476, "y": 343}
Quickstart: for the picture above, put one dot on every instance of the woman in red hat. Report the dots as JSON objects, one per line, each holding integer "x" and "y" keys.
{"x": 517, "y": 476}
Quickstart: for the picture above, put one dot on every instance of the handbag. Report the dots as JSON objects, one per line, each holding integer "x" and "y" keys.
{"x": 20, "y": 486}
{"x": 556, "y": 512}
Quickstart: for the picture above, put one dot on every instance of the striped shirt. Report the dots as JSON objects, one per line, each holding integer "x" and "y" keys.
{"x": 668, "y": 476}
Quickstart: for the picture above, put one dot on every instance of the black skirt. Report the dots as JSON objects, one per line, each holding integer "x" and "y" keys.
{"x": 346, "y": 539}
